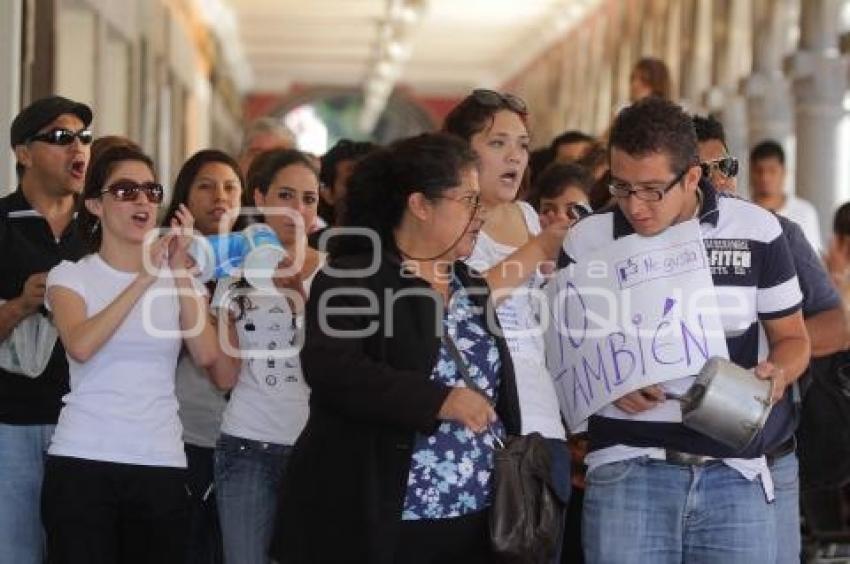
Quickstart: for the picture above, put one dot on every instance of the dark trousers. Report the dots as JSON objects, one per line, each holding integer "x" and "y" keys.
{"x": 445, "y": 541}
{"x": 572, "y": 552}
{"x": 204, "y": 543}
{"x": 107, "y": 513}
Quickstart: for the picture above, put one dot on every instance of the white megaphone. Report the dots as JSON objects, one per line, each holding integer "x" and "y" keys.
{"x": 256, "y": 250}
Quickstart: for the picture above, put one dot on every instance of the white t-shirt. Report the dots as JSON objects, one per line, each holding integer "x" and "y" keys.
{"x": 803, "y": 213}
{"x": 122, "y": 407}
{"x": 519, "y": 318}
{"x": 270, "y": 400}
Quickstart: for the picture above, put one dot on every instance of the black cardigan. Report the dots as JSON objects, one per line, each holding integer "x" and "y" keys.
{"x": 342, "y": 495}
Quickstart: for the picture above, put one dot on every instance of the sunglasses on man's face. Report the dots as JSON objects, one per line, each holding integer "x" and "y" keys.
{"x": 128, "y": 191}
{"x": 493, "y": 99}
{"x": 727, "y": 166}
{"x": 62, "y": 136}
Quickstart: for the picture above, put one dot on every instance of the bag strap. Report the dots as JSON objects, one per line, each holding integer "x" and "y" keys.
{"x": 467, "y": 379}
{"x": 462, "y": 367}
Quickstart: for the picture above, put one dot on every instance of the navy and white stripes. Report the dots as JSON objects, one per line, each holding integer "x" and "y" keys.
{"x": 754, "y": 276}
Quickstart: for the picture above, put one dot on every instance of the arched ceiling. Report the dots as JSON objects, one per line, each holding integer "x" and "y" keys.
{"x": 454, "y": 45}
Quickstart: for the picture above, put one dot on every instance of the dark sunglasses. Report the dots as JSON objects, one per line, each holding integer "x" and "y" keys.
{"x": 63, "y": 136}
{"x": 128, "y": 191}
{"x": 493, "y": 99}
{"x": 575, "y": 211}
{"x": 728, "y": 167}
{"x": 578, "y": 210}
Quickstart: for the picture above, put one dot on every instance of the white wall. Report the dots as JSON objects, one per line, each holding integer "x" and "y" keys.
{"x": 76, "y": 52}
{"x": 10, "y": 86}
{"x": 114, "y": 103}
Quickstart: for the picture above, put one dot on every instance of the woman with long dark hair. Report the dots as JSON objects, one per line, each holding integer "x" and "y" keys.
{"x": 114, "y": 488}
{"x": 395, "y": 463}
{"x": 268, "y": 403}
{"x": 210, "y": 185}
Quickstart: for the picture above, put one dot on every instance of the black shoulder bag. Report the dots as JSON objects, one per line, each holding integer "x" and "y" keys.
{"x": 525, "y": 515}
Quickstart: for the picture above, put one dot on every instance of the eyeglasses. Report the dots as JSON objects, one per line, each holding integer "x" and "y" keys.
{"x": 128, "y": 191}
{"x": 727, "y": 166}
{"x": 493, "y": 99}
{"x": 623, "y": 190}
{"x": 471, "y": 201}
{"x": 63, "y": 136}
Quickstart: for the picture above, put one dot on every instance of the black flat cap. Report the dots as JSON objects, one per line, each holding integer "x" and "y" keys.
{"x": 41, "y": 112}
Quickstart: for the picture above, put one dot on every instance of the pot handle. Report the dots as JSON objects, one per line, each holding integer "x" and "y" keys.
{"x": 680, "y": 397}
{"x": 766, "y": 402}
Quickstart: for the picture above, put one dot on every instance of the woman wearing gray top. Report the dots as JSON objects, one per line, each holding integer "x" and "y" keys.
{"x": 210, "y": 185}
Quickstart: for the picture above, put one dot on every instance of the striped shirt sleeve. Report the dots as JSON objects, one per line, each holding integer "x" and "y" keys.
{"x": 778, "y": 292}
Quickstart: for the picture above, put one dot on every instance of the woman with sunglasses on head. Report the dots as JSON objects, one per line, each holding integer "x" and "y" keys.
{"x": 210, "y": 185}
{"x": 268, "y": 404}
{"x": 495, "y": 125}
{"x": 114, "y": 487}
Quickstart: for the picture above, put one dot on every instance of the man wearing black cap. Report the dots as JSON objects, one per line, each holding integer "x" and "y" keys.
{"x": 51, "y": 143}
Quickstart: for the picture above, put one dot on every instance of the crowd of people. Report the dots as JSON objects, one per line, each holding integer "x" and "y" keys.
{"x": 329, "y": 417}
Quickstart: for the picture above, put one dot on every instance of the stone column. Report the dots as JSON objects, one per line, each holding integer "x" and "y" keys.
{"x": 820, "y": 75}
{"x": 698, "y": 75}
{"x": 725, "y": 99}
{"x": 11, "y": 21}
{"x": 672, "y": 48}
{"x": 768, "y": 91}
{"x": 596, "y": 67}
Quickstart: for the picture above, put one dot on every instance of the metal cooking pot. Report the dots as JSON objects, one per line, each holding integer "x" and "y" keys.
{"x": 727, "y": 403}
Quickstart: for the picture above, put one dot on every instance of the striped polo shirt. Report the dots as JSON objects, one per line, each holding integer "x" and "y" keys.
{"x": 754, "y": 277}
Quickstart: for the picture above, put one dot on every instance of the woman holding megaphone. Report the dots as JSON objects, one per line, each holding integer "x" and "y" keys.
{"x": 260, "y": 319}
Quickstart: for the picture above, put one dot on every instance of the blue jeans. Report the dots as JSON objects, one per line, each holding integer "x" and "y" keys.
{"x": 247, "y": 474}
{"x": 643, "y": 510}
{"x": 559, "y": 456}
{"x": 23, "y": 452}
{"x": 786, "y": 481}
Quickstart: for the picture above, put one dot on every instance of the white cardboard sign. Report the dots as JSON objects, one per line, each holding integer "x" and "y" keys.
{"x": 640, "y": 311}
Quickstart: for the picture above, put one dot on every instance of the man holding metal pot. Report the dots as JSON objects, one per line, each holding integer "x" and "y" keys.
{"x": 657, "y": 490}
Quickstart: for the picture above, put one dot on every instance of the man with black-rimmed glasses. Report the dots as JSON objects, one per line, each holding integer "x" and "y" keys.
{"x": 658, "y": 491}
{"x": 51, "y": 141}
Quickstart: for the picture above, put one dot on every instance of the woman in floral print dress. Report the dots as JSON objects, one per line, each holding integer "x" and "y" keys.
{"x": 395, "y": 463}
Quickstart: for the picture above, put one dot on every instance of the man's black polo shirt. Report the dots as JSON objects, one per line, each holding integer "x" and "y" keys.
{"x": 27, "y": 246}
